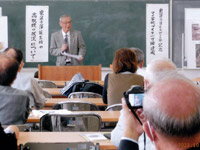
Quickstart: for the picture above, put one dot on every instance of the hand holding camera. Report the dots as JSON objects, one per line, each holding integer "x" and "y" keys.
{"x": 134, "y": 100}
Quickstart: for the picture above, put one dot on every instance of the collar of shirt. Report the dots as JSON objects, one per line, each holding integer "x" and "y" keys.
{"x": 68, "y": 36}
{"x": 129, "y": 139}
{"x": 126, "y": 72}
{"x": 63, "y": 33}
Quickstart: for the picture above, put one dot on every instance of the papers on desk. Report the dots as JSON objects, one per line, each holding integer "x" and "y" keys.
{"x": 40, "y": 113}
{"x": 94, "y": 136}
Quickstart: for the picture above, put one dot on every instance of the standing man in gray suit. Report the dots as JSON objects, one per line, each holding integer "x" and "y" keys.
{"x": 67, "y": 41}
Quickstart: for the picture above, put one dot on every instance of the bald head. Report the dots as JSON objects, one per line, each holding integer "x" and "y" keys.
{"x": 11, "y": 52}
{"x": 159, "y": 68}
{"x": 8, "y": 69}
{"x": 173, "y": 106}
{"x": 15, "y": 53}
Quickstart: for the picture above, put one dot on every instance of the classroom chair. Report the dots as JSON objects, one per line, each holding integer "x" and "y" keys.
{"x": 84, "y": 95}
{"x": 114, "y": 107}
{"x": 110, "y": 125}
{"x": 76, "y": 106}
{"x": 71, "y": 121}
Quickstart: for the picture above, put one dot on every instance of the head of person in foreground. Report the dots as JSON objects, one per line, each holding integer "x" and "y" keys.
{"x": 8, "y": 69}
{"x": 172, "y": 110}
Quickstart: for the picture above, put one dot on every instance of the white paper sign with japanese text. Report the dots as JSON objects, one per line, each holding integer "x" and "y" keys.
{"x": 157, "y": 31}
{"x": 37, "y": 27}
{"x": 3, "y": 33}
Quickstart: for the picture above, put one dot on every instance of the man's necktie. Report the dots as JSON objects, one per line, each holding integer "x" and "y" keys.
{"x": 68, "y": 59}
{"x": 66, "y": 42}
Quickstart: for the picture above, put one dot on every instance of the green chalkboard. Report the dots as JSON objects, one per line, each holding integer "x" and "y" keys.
{"x": 105, "y": 25}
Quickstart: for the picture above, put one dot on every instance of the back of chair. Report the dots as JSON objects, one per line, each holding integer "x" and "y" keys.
{"x": 65, "y": 73}
{"x": 47, "y": 84}
{"x": 88, "y": 121}
{"x": 84, "y": 95}
{"x": 114, "y": 107}
{"x": 78, "y": 106}
{"x": 60, "y": 146}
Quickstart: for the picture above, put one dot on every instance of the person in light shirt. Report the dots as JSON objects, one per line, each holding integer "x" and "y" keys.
{"x": 156, "y": 70}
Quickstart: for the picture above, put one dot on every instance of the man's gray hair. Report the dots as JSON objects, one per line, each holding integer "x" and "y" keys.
{"x": 171, "y": 125}
{"x": 63, "y": 16}
{"x": 159, "y": 68}
{"x": 139, "y": 54}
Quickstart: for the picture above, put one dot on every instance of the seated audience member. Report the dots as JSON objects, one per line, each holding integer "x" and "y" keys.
{"x": 36, "y": 74}
{"x": 124, "y": 67}
{"x": 156, "y": 70}
{"x": 140, "y": 60}
{"x": 9, "y": 137}
{"x": 25, "y": 82}
{"x": 172, "y": 113}
{"x": 14, "y": 104}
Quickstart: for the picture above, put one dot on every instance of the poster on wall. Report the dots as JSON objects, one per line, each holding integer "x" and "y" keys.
{"x": 192, "y": 37}
{"x": 37, "y": 27}
{"x": 0, "y": 11}
{"x": 3, "y": 33}
{"x": 157, "y": 31}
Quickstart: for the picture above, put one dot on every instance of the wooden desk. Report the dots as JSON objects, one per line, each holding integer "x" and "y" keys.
{"x": 60, "y": 73}
{"x": 52, "y": 101}
{"x": 106, "y": 116}
{"x": 59, "y": 137}
{"x": 61, "y": 84}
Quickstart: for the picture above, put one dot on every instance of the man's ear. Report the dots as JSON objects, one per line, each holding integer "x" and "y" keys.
{"x": 141, "y": 64}
{"x": 150, "y": 132}
{"x": 60, "y": 24}
{"x": 21, "y": 66}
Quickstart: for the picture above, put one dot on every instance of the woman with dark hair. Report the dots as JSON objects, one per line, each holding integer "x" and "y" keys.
{"x": 123, "y": 77}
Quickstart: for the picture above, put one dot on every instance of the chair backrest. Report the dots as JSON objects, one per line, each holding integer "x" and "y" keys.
{"x": 114, "y": 107}
{"x": 78, "y": 106}
{"x": 47, "y": 84}
{"x": 65, "y": 73}
{"x": 88, "y": 121}
{"x": 84, "y": 95}
{"x": 60, "y": 146}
